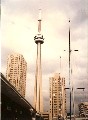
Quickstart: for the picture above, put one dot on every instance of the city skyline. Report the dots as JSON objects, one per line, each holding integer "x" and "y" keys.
{"x": 19, "y": 26}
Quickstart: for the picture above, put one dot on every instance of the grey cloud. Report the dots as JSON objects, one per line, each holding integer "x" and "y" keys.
{"x": 31, "y": 68}
{"x": 49, "y": 67}
{"x": 80, "y": 18}
{"x": 46, "y": 103}
{"x": 29, "y": 99}
{"x": 81, "y": 65}
{"x": 81, "y": 76}
{"x": 80, "y": 96}
{"x": 65, "y": 6}
{"x": 25, "y": 6}
{"x": 4, "y": 54}
{"x": 46, "y": 106}
{"x": 3, "y": 1}
{"x": 81, "y": 84}
{"x": 19, "y": 7}
{"x": 46, "y": 98}
{"x": 80, "y": 9}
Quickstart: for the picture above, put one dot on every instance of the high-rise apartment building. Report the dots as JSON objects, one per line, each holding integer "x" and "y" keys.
{"x": 16, "y": 72}
{"x": 83, "y": 109}
{"x": 57, "y": 97}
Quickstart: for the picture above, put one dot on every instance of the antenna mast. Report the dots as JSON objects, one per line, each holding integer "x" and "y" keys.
{"x": 39, "y": 21}
{"x": 60, "y": 64}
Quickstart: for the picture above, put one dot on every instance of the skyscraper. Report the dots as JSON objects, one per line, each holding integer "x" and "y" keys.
{"x": 57, "y": 97}
{"x": 16, "y": 72}
{"x": 38, "y": 98}
{"x": 83, "y": 109}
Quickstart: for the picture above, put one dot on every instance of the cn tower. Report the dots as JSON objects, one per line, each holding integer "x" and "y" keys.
{"x": 38, "y": 97}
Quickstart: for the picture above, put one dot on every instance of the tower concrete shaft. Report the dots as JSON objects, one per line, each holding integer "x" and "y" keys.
{"x": 38, "y": 98}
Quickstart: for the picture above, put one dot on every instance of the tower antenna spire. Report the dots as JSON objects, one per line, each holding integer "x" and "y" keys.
{"x": 39, "y": 21}
{"x": 60, "y": 64}
{"x": 40, "y": 14}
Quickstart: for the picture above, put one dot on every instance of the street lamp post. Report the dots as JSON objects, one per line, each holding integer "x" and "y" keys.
{"x": 70, "y": 86}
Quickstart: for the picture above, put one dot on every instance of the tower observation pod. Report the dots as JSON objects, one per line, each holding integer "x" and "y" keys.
{"x": 38, "y": 97}
{"x": 39, "y": 37}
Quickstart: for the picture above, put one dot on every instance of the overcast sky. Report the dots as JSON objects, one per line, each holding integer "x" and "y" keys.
{"x": 19, "y": 26}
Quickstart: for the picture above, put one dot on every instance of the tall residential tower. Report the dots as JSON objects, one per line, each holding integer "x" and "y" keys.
{"x": 57, "y": 97}
{"x": 38, "y": 98}
{"x": 16, "y": 72}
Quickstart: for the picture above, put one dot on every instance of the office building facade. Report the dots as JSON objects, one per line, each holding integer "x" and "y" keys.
{"x": 16, "y": 72}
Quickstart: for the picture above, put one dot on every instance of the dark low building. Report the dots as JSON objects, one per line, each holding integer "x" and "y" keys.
{"x": 45, "y": 115}
{"x": 13, "y": 105}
